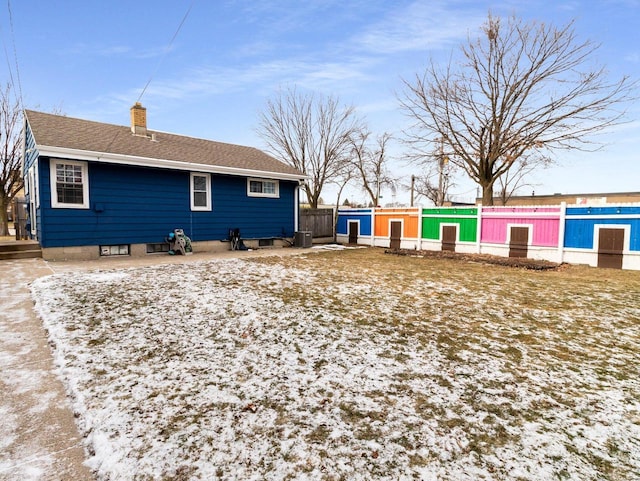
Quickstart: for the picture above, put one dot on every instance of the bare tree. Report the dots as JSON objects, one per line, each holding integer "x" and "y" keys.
{"x": 438, "y": 175}
{"x": 311, "y": 133}
{"x": 515, "y": 179}
{"x": 520, "y": 88}
{"x": 371, "y": 164}
{"x": 10, "y": 154}
{"x": 424, "y": 186}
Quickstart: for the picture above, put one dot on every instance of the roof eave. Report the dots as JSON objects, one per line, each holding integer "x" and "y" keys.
{"x": 110, "y": 158}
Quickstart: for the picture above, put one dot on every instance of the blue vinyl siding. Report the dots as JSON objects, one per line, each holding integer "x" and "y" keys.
{"x": 595, "y": 211}
{"x": 30, "y": 148}
{"x": 30, "y": 158}
{"x": 132, "y": 205}
{"x": 364, "y": 216}
{"x": 579, "y": 232}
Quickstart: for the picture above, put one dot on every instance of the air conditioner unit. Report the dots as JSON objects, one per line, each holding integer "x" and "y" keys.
{"x": 303, "y": 239}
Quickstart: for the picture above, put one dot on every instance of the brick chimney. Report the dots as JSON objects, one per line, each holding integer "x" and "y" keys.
{"x": 139, "y": 119}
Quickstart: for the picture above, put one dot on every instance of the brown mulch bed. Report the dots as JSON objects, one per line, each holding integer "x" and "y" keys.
{"x": 531, "y": 264}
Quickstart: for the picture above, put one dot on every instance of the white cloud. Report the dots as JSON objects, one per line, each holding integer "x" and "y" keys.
{"x": 420, "y": 26}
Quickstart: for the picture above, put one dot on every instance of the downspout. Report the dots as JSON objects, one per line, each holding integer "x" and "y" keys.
{"x": 296, "y": 207}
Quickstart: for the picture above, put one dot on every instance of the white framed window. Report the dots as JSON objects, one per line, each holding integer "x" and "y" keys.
{"x": 263, "y": 188}
{"x": 69, "y": 184}
{"x": 200, "y": 191}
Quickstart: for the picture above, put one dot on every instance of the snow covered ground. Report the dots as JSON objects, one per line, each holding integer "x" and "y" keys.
{"x": 345, "y": 366}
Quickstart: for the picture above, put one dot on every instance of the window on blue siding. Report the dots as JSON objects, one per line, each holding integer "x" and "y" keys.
{"x": 200, "y": 191}
{"x": 69, "y": 184}
{"x": 263, "y": 188}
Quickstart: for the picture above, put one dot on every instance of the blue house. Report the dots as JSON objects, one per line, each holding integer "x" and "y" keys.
{"x": 97, "y": 189}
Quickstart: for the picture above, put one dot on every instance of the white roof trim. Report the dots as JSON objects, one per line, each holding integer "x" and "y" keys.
{"x": 76, "y": 154}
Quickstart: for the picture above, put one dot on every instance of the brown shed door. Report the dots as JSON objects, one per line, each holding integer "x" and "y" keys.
{"x": 519, "y": 241}
{"x": 449, "y": 238}
{"x": 396, "y": 233}
{"x": 610, "y": 246}
{"x": 353, "y": 232}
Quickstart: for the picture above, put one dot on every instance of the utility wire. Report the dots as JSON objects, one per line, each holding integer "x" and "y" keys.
{"x": 156, "y": 70}
{"x": 166, "y": 50}
{"x": 15, "y": 56}
{"x": 6, "y": 56}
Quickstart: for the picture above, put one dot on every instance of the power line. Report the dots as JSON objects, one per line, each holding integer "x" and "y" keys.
{"x": 6, "y": 56}
{"x": 167, "y": 50}
{"x": 157, "y": 67}
{"x": 15, "y": 55}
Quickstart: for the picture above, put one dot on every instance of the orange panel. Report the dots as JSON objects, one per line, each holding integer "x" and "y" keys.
{"x": 382, "y": 226}
{"x": 411, "y": 226}
{"x": 409, "y": 218}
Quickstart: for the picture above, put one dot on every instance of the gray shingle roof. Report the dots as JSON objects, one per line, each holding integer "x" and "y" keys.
{"x": 84, "y": 135}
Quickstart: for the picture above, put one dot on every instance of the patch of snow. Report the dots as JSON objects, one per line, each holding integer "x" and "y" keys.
{"x": 210, "y": 372}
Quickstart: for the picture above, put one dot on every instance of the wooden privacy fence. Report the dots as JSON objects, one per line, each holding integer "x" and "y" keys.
{"x": 19, "y": 217}
{"x": 317, "y": 221}
{"x": 602, "y": 236}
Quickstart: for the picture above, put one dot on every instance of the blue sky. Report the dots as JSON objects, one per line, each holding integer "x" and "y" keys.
{"x": 91, "y": 59}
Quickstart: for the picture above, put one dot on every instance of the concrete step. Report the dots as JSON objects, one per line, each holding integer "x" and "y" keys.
{"x": 30, "y": 254}
{"x": 20, "y": 250}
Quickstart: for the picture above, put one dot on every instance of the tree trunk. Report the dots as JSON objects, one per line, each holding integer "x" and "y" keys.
{"x": 312, "y": 197}
{"x": 313, "y": 201}
{"x": 487, "y": 194}
{"x": 4, "y": 218}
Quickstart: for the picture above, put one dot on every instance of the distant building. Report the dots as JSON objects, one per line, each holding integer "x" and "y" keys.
{"x": 571, "y": 199}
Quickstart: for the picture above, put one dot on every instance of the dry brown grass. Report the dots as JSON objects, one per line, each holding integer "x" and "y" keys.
{"x": 362, "y": 365}
{"x": 558, "y": 339}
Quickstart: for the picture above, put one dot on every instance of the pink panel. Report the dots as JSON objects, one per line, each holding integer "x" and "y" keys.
{"x": 494, "y": 231}
{"x": 519, "y": 210}
{"x": 545, "y": 231}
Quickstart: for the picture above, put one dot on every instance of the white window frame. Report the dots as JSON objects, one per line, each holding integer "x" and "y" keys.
{"x": 192, "y": 191}
{"x": 54, "y": 185}
{"x": 275, "y": 194}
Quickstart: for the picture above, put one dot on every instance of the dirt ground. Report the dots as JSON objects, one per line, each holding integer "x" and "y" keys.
{"x": 531, "y": 264}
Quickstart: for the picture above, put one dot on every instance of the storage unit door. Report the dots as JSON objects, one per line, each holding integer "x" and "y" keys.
{"x": 449, "y": 238}
{"x": 353, "y": 232}
{"x": 396, "y": 233}
{"x": 610, "y": 247}
{"x": 519, "y": 241}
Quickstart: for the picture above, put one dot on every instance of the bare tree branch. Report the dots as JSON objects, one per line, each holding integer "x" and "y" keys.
{"x": 311, "y": 133}
{"x": 436, "y": 182}
{"x": 10, "y": 154}
{"x": 519, "y": 89}
{"x": 371, "y": 164}
{"x": 515, "y": 179}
